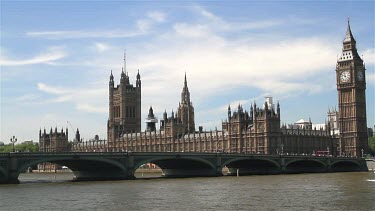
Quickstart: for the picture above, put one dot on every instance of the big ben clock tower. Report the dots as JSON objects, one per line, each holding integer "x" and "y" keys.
{"x": 351, "y": 86}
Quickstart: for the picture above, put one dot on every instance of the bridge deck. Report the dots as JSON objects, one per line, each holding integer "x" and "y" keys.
{"x": 122, "y": 165}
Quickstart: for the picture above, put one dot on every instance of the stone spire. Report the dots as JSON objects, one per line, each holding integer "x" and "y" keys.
{"x": 229, "y": 112}
{"x": 185, "y": 82}
{"x": 349, "y": 36}
{"x": 151, "y": 113}
{"x": 151, "y": 120}
{"x": 349, "y": 50}
{"x": 123, "y": 76}
{"x": 185, "y": 94}
{"x": 138, "y": 83}
{"x": 138, "y": 76}
{"x": 111, "y": 78}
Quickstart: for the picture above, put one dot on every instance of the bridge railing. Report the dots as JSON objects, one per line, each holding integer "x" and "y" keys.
{"x": 106, "y": 154}
{"x": 38, "y": 154}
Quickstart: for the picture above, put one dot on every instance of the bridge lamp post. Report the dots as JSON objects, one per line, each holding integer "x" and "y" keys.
{"x": 362, "y": 152}
{"x": 328, "y": 150}
{"x": 277, "y": 150}
{"x": 282, "y": 149}
{"x": 13, "y": 140}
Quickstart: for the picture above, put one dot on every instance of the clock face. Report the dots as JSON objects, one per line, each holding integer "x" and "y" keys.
{"x": 345, "y": 76}
{"x": 360, "y": 75}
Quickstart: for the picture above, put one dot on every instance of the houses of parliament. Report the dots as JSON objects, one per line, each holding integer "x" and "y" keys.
{"x": 256, "y": 130}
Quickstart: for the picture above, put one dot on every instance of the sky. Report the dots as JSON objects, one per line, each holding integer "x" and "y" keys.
{"x": 56, "y": 58}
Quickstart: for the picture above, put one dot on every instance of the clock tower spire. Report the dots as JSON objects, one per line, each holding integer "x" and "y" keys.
{"x": 351, "y": 87}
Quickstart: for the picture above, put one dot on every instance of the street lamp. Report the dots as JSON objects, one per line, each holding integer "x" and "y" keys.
{"x": 328, "y": 150}
{"x": 362, "y": 152}
{"x": 277, "y": 151}
{"x": 282, "y": 149}
{"x": 13, "y": 140}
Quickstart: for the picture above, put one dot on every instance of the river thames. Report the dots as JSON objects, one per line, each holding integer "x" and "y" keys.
{"x": 325, "y": 191}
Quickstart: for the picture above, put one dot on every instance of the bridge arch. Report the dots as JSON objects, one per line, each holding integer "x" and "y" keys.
{"x": 248, "y": 166}
{"x": 305, "y": 166}
{"x": 345, "y": 165}
{"x": 84, "y": 168}
{"x": 181, "y": 166}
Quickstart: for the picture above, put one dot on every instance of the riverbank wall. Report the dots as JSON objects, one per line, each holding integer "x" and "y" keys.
{"x": 370, "y": 164}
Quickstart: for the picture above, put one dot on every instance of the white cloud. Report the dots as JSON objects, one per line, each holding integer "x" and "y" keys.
{"x": 90, "y": 108}
{"x": 145, "y": 24}
{"x": 189, "y": 30}
{"x": 49, "y": 89}
{"x": 51, "y": 54}
{"x": 101, "y": 47}
{"x": 85, "y": 98}
{"x": 76, "y": 34}
{"x": 205, "y": 13}
{"x": 157, "y": 16}
{"x": 214, "y": 63}
{"x": 369, "y": 56}
{"x": 218, "y": 24}
{"x": 142, "y": 26}
{"x": 370, "y": 78}
{"x": 26, "y": 98}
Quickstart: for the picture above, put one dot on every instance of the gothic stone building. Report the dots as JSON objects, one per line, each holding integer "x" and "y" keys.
{"x": 183, "y": 121}
{"x": 124, "y": 107}
{"x": 53, "y": 141}
{"x": 259, "y": 132}
{"x": 351, "y": 86}
{"x": 256, "y": 131}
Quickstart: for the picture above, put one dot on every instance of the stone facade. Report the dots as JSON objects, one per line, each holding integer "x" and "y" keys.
{"x": 124, "y": 106}
{"x": 183, "y": 122}
{"x": 333, "y": 116}
{"x": 254, "y": 132}
{"x": 186, "y": 110}
{"x": 53, "y": 141}
{"x": 259, "y": 132}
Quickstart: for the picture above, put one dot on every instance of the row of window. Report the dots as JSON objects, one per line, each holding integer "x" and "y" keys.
{"x": 344, "y": 64}
{"x": 129, "y": 111}
{"x": 116, "y": 110}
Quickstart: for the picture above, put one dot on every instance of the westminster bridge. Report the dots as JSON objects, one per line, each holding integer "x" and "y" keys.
{"x": 122, "y": 165}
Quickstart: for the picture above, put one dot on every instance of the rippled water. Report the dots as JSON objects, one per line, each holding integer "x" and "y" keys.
{"x": 330, "y": 191}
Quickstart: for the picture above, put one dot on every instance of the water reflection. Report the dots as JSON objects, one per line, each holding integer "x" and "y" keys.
{"x": 334, "y": 191}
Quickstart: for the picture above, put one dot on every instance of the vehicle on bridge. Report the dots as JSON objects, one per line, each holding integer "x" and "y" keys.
{"x": 322, "y": 153}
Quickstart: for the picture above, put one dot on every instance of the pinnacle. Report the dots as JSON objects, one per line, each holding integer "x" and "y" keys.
{"x": 185, "y": 82}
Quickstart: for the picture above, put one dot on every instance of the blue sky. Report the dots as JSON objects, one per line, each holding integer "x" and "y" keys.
{"x": 56, "y": 58}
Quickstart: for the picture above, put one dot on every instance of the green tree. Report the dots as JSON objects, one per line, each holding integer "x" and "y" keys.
{"x": 27, "y": 146}
{"x": 6, "y": 148}
{"x": 371, "y": 145}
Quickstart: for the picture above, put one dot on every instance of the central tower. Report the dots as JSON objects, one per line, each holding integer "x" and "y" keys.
{"x": 351, "y": 86}
{"x": 124, "y": 106}
{"x": 186, "y": 109}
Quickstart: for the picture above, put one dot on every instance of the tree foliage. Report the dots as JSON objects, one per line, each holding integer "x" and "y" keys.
{"x": 371, "y": 145}
{"x": 22, "y": 147}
